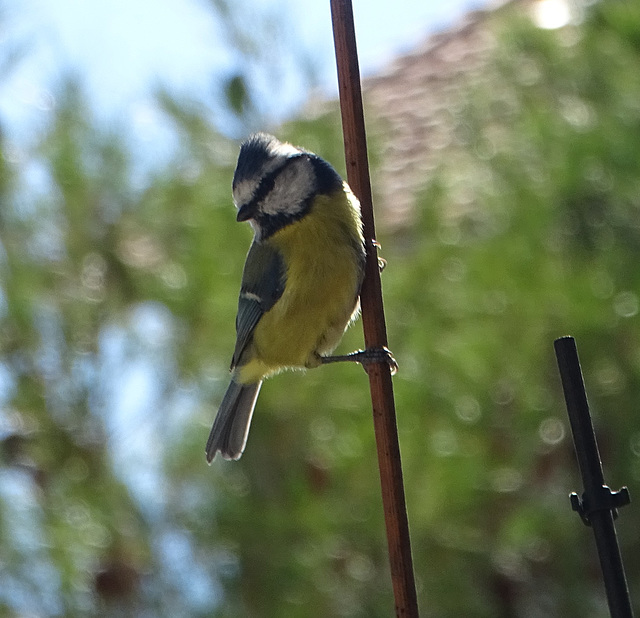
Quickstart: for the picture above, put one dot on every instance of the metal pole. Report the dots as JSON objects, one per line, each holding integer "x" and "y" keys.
{"x": 598, "y": 506}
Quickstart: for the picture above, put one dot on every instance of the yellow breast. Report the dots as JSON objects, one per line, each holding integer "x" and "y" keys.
{"x": 324, "y": 266}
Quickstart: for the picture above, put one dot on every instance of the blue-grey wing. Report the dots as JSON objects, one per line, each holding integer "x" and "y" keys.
{"x": 263, "y": 282}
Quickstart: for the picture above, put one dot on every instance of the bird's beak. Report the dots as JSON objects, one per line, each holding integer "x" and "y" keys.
{"x": 246, "y": 212}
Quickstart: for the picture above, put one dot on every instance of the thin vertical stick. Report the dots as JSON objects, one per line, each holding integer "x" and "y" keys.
{"x": 375, "y": 332}
{"x": 599, "y": 503}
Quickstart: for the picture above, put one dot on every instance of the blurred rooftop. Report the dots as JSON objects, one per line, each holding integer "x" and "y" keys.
{"x": 411, "y": 104}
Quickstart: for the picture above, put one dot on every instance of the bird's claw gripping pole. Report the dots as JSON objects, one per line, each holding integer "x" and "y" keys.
{"x": 366, "y": 358}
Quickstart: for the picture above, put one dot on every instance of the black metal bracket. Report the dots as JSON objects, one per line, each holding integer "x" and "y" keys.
{"x": 601, "y": 500}
{"x": 599, "y": 505}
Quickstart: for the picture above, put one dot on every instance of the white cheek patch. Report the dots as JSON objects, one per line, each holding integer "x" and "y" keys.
{"x": 292, "y": 186}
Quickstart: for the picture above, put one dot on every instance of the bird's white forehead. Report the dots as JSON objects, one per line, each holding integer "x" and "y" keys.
{"x": 244, "y": 190}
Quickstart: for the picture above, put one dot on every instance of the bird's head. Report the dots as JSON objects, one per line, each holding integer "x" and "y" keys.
{"x": 274, "y": 183}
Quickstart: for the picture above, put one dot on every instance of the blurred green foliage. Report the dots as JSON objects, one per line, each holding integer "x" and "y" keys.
{"x": 117, "y": 303}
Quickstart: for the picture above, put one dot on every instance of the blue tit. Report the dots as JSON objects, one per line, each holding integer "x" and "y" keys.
{"x": 301, "y": 280}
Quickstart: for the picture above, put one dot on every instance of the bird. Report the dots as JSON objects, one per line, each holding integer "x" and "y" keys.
{"x": 301, "y": 279}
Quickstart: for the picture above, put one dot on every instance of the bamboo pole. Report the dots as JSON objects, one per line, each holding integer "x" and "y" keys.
{"x": 373, "y": 319}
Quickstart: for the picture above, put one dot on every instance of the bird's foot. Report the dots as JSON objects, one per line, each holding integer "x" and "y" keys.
{"x": 366, "y": 357}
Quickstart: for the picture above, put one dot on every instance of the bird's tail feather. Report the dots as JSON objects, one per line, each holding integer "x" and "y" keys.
{"x": 231, "y": 426}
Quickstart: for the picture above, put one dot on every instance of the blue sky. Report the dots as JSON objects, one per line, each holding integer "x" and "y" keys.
{"x": 122, "y": 48}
